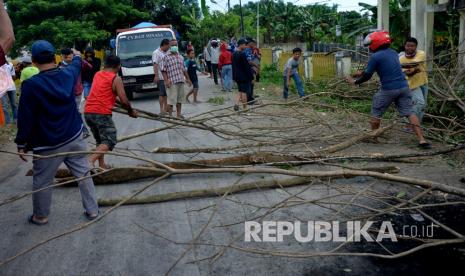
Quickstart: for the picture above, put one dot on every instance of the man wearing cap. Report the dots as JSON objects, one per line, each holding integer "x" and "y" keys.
{"x": 29, "y": 69}
{"x": 49, "y": 124}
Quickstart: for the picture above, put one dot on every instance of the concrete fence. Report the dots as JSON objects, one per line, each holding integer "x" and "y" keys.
{"x": 314, "y": 66}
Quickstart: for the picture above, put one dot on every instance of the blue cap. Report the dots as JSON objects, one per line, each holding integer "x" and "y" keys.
{"x": 40, "y": 47}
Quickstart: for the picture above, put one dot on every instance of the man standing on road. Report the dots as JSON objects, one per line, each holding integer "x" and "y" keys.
{"x": 215, "y": 57}
{"x": 99, "y": 108}
{"x": 175, "y": 74}
{"x": 208, "y": 59}
{"x": 66, "y": 59}
{"x": 242, "y": 74}
{"x": 157, "y": 58}
{"x": 254, "y": 65}
{"x": 48, "y": 124}
{"x": 88, "y": 76}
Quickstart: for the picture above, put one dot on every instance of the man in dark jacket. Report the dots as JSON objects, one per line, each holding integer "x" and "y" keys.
{"x": 48, "y": 124}
{"x": 88, "y": 76}
{"x": 242, "y": 74}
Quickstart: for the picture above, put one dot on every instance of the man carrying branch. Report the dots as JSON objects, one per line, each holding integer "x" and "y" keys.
{"x": 49, "y": 124}
{"x": 106, "y": 87}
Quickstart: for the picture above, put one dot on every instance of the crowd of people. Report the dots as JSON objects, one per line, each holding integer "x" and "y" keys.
{"x": 234, "y": 62}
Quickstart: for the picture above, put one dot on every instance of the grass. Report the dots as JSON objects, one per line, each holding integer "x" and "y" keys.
{"x": 7, "y": 134}
{"x": 271, "y": 79}
{"x": 216, "y": 100}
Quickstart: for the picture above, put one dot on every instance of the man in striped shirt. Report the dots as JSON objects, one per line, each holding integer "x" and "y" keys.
{"x": 174, "y": 75}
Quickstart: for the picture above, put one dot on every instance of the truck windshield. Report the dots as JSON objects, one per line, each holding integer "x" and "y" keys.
{"x": 140, "y": 44}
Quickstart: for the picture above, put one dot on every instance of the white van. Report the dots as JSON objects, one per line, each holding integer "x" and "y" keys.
{"x": 135, "y": 47}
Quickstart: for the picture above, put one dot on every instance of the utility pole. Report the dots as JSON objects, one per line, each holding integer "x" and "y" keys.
{"x": 242, "y": 18}
{"x": 229, "y": 5}
{"x": 258, "y": 24}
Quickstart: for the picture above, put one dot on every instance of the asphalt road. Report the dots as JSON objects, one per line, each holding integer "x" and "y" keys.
{"x": 117, "y": 246}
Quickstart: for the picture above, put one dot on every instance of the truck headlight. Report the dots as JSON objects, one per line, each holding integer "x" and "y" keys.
{"x": 129, "y": 80}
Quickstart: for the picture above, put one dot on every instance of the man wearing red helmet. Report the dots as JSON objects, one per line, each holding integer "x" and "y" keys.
{"x": 394, "y": 86}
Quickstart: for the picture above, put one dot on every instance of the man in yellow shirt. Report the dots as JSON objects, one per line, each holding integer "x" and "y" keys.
{"x": 414, "y": 66}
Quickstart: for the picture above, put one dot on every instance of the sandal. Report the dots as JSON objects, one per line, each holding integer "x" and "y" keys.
{"x": 425, "y": 145}
{"x": 91, "y": 217}
{"x": 31, "y": 219}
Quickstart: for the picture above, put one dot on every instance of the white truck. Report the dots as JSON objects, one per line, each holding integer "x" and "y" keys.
{"x": 135, "y": 47}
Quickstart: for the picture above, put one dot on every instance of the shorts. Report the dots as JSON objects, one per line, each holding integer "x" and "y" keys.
{"x": 162, "y": 88}
{"x": 87, "y": 86}
{"x": 384, "y": 98}
{"x": 103, "y": 129}
{"x": 176, "y": 94}
{"x": 195, "y": 84}
{"x": 244, "y": 87}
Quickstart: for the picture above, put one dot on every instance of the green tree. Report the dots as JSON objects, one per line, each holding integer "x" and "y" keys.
{"x": 70, "y": 23}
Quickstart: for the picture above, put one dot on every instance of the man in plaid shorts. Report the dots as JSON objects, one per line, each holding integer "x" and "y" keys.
{"x": 174, "y": 75}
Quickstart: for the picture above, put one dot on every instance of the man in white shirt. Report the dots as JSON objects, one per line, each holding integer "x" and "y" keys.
{"x": 208, "y": 59}
{"x": 215, "y": 57}
{"x": 9, "y": 99}
{"x": 157, "y": 58}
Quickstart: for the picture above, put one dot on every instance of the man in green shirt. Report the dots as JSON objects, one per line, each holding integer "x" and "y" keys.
{"x": 29, "y": 69}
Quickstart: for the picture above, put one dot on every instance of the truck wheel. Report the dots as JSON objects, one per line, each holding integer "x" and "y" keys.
{"x": 129, "y": 94}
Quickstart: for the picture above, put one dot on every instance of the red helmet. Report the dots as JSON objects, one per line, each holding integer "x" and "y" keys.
{"x": 377, "y": 39}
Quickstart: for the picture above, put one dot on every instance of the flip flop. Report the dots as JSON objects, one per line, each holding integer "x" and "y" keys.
{"x": 424, "y": 145}
{"x": 89, "y": 217}
{"x": 30, "y": 219}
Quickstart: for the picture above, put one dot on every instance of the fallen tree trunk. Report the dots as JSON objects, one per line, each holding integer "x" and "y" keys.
{"x": 211, "y": 192}
{"x": 121, "y": 175}
{"x": 241, "y": 160}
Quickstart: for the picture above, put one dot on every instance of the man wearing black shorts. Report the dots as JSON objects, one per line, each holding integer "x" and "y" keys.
{"x": 192, "y": 68}
{"x": 157, "y": 58}
{"x": 242, "y": 74}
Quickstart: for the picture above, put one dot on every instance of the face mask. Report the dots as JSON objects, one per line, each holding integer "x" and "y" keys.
{"x": 174, "y": 49}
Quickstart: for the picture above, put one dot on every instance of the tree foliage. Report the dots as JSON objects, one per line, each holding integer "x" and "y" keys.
{"x": 70, "y": 22}
{"x": 79, "y": 22}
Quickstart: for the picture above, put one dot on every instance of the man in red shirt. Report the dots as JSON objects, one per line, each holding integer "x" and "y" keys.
{"x": 106, "y": 86}
{"x": 225, "y": 67}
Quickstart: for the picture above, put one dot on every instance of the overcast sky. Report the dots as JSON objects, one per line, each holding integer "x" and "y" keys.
{"x": 344, "y": 5}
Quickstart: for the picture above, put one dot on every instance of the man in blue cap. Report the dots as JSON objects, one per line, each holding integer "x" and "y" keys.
{"x": 49, "y": 124}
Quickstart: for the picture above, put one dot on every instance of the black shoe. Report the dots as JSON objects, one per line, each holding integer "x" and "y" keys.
{"x": 236, "y": 107}
{"x": 425, "y": 145}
